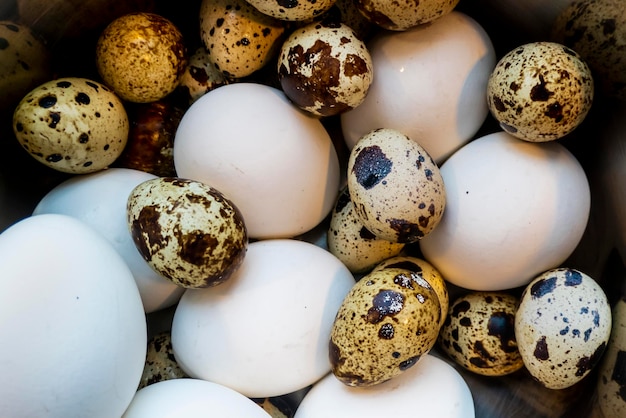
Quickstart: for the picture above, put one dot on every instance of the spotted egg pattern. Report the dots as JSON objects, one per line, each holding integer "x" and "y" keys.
{"x": 292, "y": 10}
{"x": 73, "y": 125}
{"x": 160, "y": 361}
{"x": 276, "y": 406}
{"x": 405, "y": 14}
{"x": 562, "y": 326}
{"x": 611, "y": 386}
{"x": 397, "y": 188}
{"x": 187, "y": 231}
{"x": 200, "y": 77}
{"x": 540, "y": 91}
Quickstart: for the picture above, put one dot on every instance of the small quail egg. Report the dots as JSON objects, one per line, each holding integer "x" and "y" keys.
{"x": 160, "y": 361}
{"x": 388, "y": 320}
{"x": 187, "y": 231}
{"x": 200, "y": 77}
{"x": 562, "y": 326}
{"x": 276, "y": 406}
{"x": 403, "y": 15}
{"x": 293, "y": 10}
{"x": 611, "y": 386}
{"x": 479, "y": 333}
{"x": 540, "y": 91}
{"x": 344, "y": 11}
{"x": 73, "y": 125}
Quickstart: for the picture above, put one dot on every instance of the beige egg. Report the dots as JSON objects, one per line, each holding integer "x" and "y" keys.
{"x": 345, "y": 11}
{"x": 142, "y": 57}
{"x": 293, "y": 10}
{"x": 73, "y": 125}
{"x": 540, "y": 91}
{"x": 276, "y": 407}
{"x": 396, "y": 187}
{"x": 200, "y": 76}
{"x": 479, "y": 333}
{"x": 160, "y": 361}
{"x": 611, "y": 386}
{"x": 240, "y": 39}
{"x": 402, "y": 15}
{"x": 187, "y": 231}
{"x": 388, "y": 320}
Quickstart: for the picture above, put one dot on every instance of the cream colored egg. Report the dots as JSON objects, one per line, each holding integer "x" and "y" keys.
{"x": 403, "y": 15}
{"x": 612, "y": 375}
{"x": 200, "y": 76}
{"x": 73, "y": 125}
{"x": 160, "y": 364}
{"x": 296, "y": 10}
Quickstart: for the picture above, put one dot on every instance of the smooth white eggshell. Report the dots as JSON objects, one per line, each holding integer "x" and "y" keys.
{"x": 265, "y": 331}
{"x": 73, "y": 327}
{"x": 514, "y": 210}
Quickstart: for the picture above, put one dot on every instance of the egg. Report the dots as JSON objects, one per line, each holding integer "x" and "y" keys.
{"x": 200, "y": 76}
{"x": 73, "y": 125}
{"x": 142, "y": 56}
{"x": 611, "y": 384}
{"x": 540, "y": 91}
{"x": 297, "y": 10}
{"x": 396, "y": 187}
{"x": 344, "y": 11}
{"x": 386, "y": 323}
{"x": 277, "y": 407}
{"x": 479, "y": 333}
{"x": 404, "y": 15}
{"x": 562, "y": 326}
{"x": 160, "y": 363}
{"x": 187, "y": 231}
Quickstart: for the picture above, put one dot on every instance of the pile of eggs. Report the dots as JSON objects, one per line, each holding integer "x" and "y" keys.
{"x": 311, "y": 209}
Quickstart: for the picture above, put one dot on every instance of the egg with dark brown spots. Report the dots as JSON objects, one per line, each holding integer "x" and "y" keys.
{"x": 397, "y": 188}
{"x": 292, "y": 10}
{"x": 611, "y": 386}
{"x": 562, "y": 326}
{"x": 403, "y": 15}
{"x": 200, "y": 77}
{"x": 479, "y": 333}
{"x": 388, "y": 320}
{"x": 73, "y": 125}
{"x": 160, "y": 361}
{"x": 540, "y": 91}
{"x": 187, "y": 231}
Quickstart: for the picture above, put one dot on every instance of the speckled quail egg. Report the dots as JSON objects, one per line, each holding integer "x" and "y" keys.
{"x": 277, "y": 407}
{"x": 388, "y": 320}
{"x": 403, "y": 15}
{"x": 73, "y": 125}
{"x": 200, "y": 76}
{"x": 324, "y": 68}
{"x": 396, "y": 187}
{"x": 142, "y": 56}
{"x": 294, "y": 10}
{"x": 562, "y": 326}
{"x": 160, "y": 361}
{"x": 540, "y": 91}
{"x": 479, "y": 333}
{"x": 240, "y": 39}
{"x": 344, "y": 11}
{"x": 187, "y": 231}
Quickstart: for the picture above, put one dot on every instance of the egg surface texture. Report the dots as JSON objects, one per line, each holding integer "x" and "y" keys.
{"x": 429, "y": 83}
{"x": 73, "y": 125}
{"x": 265, "y": 331}
{"x": 73, "y": 327}
{"x": 277, "y": 164}
{"x": 562, "y": 327}
{"x": 514, "y": 209}
{"x": 611, "y": 386}
{"x": 403, "y": 15}
{"x": 297, "y": 10}
{"x": 200, "y": 76}
{"x": 160, "y": 363}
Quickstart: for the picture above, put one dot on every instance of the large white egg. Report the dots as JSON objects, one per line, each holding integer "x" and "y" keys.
{"x": 72, "y": 325}
{"x": 276, "y": 163}
{"x": 432, "y": 388}
{"x": 99, "y": 200}
{"x": 514, "y": 210}
{"x": 429, "y": 83}
{"x": 265, "y": 331}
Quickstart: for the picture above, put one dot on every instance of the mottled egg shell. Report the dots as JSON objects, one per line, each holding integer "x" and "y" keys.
{"x": 277, "y": 407}
{"x": 240, "y": 39}
{"x": 387, "y": 321}
{"x": 396, "y": 187}
{"x": 344, "y": 11}
{"x": 353, "y": 243}
{"x": 160, "y": 361}
{"x": 73, "y": 125}
{"x": 611, "y": 386}
{"x": 540, "y": 91}
{"x": 479, "y": 333}
{"x": 325, "y": 69}
{"x": 142, "y": 57}
{"x": 200, "y": 76}
{"x": 294, "y": 10}
{"x": 403, "y": 15}
{"x": 562, "y": 326}
{"x": 187, "y": 231}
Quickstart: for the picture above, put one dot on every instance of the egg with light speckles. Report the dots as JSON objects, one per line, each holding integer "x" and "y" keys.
{"x": 397, "y": 188}
{"x": 187, "y": 231}
{"x": 388, "y": 320}
{"x": 200, "y": 77}
{"x": 292, "y": 10}
{"x": 540, "y": 91}
{"x": 160, "y": 361}
{"x": 611, "y": 386}
{"x": 562, "y": 326}
{"x": 73, "y": 125}
{"x": 479, "y": 333}
{"x": 403, "y": 15}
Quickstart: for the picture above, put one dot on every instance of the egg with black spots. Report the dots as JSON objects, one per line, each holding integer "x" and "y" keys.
{"x": 403, "y": 15}
{"x": 292, "y": 10}
{"x": 611, "y": 385}
{"x": 200, "y": 77}
{"x": 160, "y": 361}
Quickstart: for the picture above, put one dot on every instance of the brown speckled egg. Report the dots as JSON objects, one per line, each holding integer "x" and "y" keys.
{"x": 276, "y": 406}
{"x": 396, "y": 187}
{"x": 611, "y": 386}
{"x": 325, "y": 69}
{"x": 344, "y": 11}
{"x": 387, "y": 321}
{"x": 540, "y": 91}
{"x": 160, "y": 361}
{"x": 405, "y": 14}
{"x": 187, "y": 231}
{"x": 142, "y": 57}
{"x": 479, "y": 333}
{"x": 562, "y": 326}
{"x": 352, "y": 243}
{"x": 293, "y": 10}
{"x": 200, "y": 77}
{"x": 240, "y": 39}
{"x": 73, "y": 125}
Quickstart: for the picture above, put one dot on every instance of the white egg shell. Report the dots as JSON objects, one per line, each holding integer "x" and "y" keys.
{"x": 612, "y": 376}
{"x": 514, "y": 209}
{"x": 73, "y": 327}
{"x": 277, "y": 164}
{"x": 432, "y": 388}
{"x": 191, "y": 398}
{"x": 429, "y": 83}
{"x": 264, "y": 332}
{"x": 99, "y": 200}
